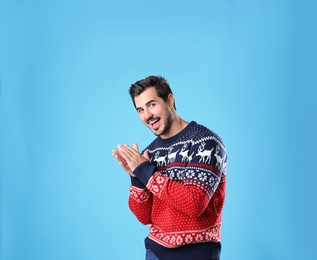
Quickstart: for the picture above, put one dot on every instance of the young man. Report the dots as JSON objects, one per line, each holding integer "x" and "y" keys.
{"x": 178, "y": 183}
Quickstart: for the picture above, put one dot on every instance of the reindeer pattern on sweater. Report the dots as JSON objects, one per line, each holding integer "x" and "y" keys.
{"x": 184, "y": 195}
{"x": 197, "y": 155}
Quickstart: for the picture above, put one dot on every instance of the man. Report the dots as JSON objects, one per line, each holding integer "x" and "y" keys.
{"x": 178, "y": 183}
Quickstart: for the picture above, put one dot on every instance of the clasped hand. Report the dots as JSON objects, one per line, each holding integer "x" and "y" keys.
{"x": 129, "y": 157}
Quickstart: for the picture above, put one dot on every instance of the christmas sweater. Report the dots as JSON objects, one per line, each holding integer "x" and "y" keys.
{"x": 180, "y": 192}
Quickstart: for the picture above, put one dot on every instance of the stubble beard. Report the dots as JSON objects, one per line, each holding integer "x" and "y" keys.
{"x": 167, "y": 123}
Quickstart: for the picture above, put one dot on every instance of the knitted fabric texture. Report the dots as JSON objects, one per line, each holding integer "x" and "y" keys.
{"x": 181, "y": 191}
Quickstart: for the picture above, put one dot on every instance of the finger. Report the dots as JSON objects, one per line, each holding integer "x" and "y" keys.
{"x": 120, "y": 159}
{"x": 123, "y": 163}
{"x": 134, "y": 150}
{"x": 129, "y": 152}
{"x": 125, "y": 166}
{"x": 146, "y": 154}
{"x": 135, "y": 146}
{"x": 124, "y": 152}
{"x": 115, "y": 153}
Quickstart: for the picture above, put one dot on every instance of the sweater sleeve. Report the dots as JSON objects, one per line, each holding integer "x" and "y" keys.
{"x": 140, "y": 203}
{"x": 197, "y": 179}
{"x": 140, "y": 199}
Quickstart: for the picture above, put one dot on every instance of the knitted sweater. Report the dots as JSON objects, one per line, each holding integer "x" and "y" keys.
{"x": 181, "y": 191}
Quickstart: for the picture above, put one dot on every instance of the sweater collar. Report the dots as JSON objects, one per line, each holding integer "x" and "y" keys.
{"x": 175, "y": 137}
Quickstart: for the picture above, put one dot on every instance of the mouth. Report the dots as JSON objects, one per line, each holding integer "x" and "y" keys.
{"x": 154, "y": 123}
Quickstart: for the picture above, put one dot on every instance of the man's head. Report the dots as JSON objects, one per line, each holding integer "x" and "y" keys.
{"x": 154, "y": 102}
{"x": 159, "y": 83}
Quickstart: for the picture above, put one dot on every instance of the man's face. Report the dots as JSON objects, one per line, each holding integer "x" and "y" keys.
{"x": 154, "y": 112}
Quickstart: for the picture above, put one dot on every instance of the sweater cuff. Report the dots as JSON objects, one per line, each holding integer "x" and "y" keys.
{"x": 144, "y": 172}
{"x": 137, "y": 183}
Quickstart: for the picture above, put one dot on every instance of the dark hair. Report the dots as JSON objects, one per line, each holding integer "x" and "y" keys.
{"x": 158, "y": 82}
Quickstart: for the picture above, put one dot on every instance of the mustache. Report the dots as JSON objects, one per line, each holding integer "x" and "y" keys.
{"x": 152, "y": 119}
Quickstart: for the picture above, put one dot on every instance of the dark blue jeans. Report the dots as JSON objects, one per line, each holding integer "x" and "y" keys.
{"x": 212, "y": 253}
{"x": 150, "y": 255}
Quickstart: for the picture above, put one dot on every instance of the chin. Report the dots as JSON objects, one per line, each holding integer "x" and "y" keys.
{"x": 157, "y": 132}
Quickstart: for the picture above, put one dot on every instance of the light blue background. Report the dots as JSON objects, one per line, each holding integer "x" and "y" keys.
{"x": 246, "y": 69}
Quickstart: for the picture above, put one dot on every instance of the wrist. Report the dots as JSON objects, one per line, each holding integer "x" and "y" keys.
{"x": 144, "y": 172}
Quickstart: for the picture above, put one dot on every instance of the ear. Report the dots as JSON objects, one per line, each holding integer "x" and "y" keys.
{"x": 170, "y": 100}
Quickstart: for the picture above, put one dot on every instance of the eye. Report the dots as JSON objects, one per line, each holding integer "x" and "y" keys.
{"x": 152, "y": 105}
{"x": 139, "y": 110}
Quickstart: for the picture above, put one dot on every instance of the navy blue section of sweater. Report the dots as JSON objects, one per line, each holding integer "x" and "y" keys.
{"x": 144, "y": 172}
{"x": 137, "y": 183}
{"x": 184, "y": 147}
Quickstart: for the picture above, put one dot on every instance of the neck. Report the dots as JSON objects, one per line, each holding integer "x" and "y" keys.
{"x": 178, "y": 125}
{"x": 181, "y": 124}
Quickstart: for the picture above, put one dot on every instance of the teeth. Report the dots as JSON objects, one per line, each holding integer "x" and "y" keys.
{"x": 154, "y": 121}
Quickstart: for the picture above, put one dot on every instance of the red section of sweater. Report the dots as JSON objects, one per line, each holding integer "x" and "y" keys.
{"x": 179, "y": 213}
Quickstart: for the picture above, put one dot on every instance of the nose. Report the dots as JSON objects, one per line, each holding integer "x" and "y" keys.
{"x": 147, "y": 114}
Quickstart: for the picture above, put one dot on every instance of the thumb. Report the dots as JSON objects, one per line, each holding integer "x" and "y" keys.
{"x": 135, "y": 146}
{"x": 146, "y": 154}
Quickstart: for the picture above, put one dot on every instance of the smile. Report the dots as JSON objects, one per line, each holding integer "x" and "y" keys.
{"x": 152, "y": 121}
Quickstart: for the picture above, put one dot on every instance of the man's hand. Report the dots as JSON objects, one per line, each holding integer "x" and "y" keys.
{"x": 122, "y": 162}
{"x": 130, "y": 157}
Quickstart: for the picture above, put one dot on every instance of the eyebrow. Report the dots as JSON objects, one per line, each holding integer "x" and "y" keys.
{"x": 146, "y": 104}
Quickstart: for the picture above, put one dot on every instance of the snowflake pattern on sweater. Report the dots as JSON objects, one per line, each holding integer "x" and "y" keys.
{"x": 183, "y": 190}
